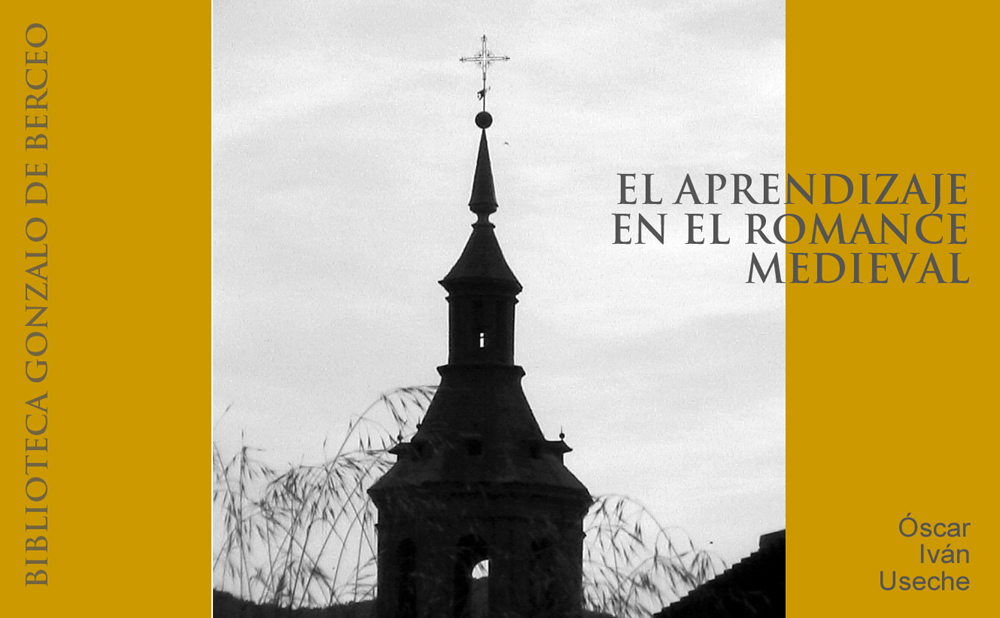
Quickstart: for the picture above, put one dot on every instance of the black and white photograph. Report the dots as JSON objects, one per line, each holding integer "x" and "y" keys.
{"x": 483, "y": 338}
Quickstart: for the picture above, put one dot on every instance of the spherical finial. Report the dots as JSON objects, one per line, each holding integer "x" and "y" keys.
{"x": 484, "y": 120}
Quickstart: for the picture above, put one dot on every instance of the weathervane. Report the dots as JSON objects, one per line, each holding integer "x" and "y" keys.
{"x": 484, "y": 60}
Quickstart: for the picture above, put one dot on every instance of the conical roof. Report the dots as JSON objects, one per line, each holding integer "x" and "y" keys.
{"x": 482, "y": 261}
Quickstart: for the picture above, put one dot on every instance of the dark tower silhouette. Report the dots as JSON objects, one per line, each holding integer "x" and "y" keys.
{"x": 479, "y": 481}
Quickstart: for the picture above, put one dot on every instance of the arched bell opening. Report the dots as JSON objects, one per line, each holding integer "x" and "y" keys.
{"x": 470, "y": 556}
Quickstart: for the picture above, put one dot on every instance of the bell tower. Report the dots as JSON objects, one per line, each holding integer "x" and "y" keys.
{"x": 479, "y": 481}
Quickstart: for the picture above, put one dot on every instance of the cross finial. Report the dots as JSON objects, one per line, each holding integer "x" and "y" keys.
{"x": 484, "y": 60}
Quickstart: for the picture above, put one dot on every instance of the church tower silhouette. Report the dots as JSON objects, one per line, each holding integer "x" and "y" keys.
{"x": 479, "y": 481}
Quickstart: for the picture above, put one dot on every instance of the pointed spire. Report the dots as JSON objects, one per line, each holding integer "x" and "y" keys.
{"x": 484, "y": 199}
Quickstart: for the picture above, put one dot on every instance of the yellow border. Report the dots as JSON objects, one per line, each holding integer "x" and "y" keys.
{"x": 129, "y": 299}
{"x": 890, "y": 403}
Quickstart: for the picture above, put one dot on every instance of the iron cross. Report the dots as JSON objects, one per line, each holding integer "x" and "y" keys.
{"x": 484, "y": 60}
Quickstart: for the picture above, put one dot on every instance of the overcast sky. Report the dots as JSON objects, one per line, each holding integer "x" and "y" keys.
{"x": 344, "y": 149}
